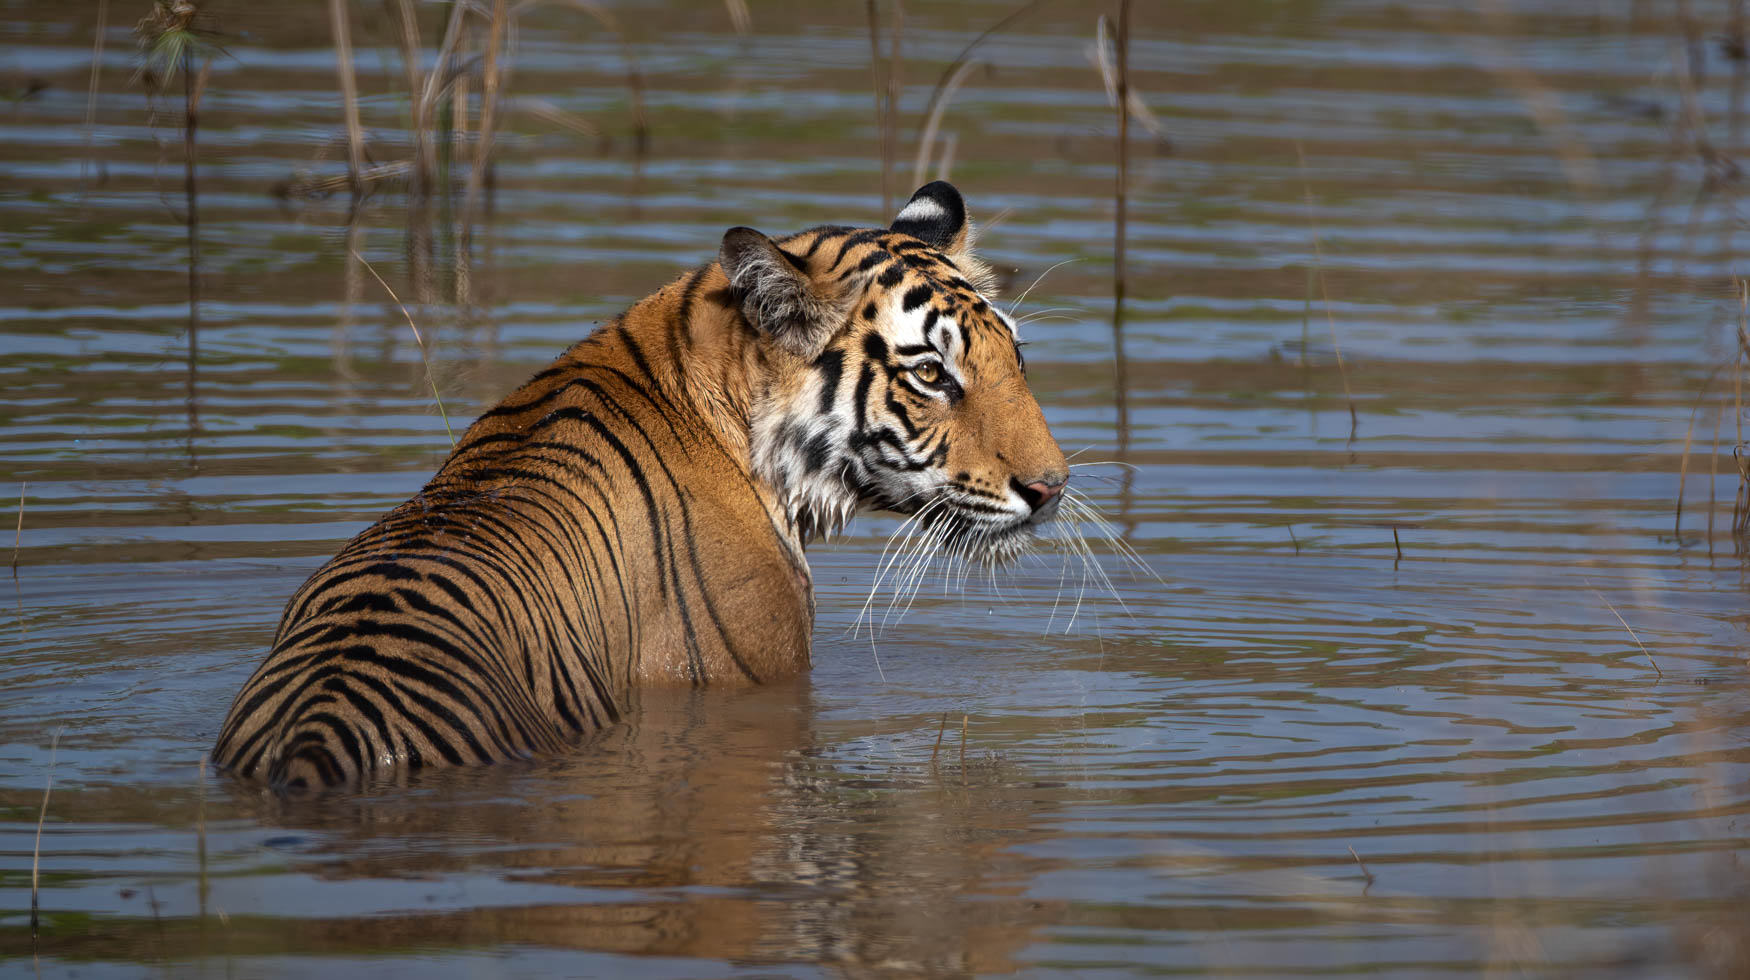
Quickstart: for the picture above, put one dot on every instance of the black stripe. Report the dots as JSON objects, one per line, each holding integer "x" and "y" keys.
{"x": 831, "y": 366}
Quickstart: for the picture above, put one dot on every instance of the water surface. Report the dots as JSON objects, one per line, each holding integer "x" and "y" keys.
{"x": 1288, "y": 745}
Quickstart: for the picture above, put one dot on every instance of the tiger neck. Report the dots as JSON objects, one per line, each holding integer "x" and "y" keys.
{"x": 702, "y": 353}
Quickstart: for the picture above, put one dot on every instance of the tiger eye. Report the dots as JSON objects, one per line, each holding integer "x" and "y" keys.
{"x": 928, "y": 372}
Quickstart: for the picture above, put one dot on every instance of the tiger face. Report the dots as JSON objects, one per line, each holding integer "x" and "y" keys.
{"x": 894, "y": 383}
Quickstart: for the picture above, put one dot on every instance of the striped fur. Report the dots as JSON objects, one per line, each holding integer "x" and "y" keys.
{"x": 636, "y": 513}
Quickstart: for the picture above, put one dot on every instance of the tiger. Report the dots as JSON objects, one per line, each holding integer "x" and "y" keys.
{"x": 637, "y": 512}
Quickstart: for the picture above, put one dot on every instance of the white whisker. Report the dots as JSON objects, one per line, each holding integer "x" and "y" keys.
{"x": 1024, "y": 293}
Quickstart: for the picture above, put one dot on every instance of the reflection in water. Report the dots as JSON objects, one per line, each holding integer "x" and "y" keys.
{"x": 708, "y": 826}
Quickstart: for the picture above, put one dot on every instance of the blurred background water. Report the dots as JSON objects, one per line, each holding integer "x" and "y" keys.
{"x": 1371, "y": 708}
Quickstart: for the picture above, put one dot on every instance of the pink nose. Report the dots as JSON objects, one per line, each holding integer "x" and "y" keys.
{"x": 1039, "y": 494}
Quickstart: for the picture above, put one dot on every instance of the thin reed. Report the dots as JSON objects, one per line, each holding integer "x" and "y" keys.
{"x": 1324, "y": 289}
{"x": 91, "y": 90}
{"x": 18, "y": 534}
{"x": 1631, "y": 630}
{"x": 1122, "y": 185}
{"x": 950, "y": 80}
{"x": 417, "y": 339}
{"x": 341, "y": 28}
{"x": 886, "y": 79}
{"x": 37, "y": 848}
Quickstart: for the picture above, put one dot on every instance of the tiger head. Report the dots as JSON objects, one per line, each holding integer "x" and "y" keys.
{"x": 892, "y": 382}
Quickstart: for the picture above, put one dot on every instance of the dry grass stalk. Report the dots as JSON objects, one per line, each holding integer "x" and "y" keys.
{"x": 939, "y": 733}
{"x": 460, "y": 96}
{"x": 18, "y": 535}
{"x": 1713, "y": 479}
{"x": 1294, "y": 539}
{"x": 1631, "y": 631}
{"x": 739, "y": 16}
{"x": 17, "y": 540}
{"x": 171, "y": 41}
{"x": 1541, "y": 102}
{"x": 340, "y": 26}
{"x": 964, "y": 720}
{"x": 420, "y": 88}
{"x": 569, "y": 121}
{"x": 880, "y": 108}
{"x": 1363, "y": 866}
{"x": 91, "y": 88}
{"x": 1683, "y": 460}
{"x": 1682, "y": 474}
{"x": 36, "y": 851}
{"x": 634, "y": 78}
{"x": 1324, "y": 288}
{"x": 927, "y": 136}
{"x": 307, "y": 187}
{"x": 635, "y": 87}
{"x": 417, "y": 339}
{"x": 890, "y": 142}
{"x": 1734, "y": 46}
{"x": 1741, "y": 497}
{"x": 950, "y": 143}
{"x": 1106, "y": 61}
{"x": 1123, "y": 181}
{"x": 950, "y": 79}
{"x": 488, "y": 120}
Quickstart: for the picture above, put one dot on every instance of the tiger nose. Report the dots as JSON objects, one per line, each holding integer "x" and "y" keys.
{"x": 1039, "y": 493}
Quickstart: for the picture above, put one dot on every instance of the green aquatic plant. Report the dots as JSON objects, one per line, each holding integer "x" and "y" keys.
{"x": 172, "y": 40}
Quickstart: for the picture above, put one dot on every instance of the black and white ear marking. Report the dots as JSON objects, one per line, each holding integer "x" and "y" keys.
{"x": 776, "y": 293}
{"x": 935, "y": 215}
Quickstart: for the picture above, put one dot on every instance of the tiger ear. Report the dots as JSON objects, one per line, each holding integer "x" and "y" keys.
{"x": 936, "y": 216}
{"x": 776, "y": 293}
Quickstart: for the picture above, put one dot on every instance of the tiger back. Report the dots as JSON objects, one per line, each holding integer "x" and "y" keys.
{"x": 636, "y": 513}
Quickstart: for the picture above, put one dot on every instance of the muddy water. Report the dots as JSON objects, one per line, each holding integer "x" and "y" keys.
{"x": 1287, "y": 745}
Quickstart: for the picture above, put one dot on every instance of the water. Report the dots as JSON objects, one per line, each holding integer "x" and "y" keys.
{"x": 1287, "y": 748}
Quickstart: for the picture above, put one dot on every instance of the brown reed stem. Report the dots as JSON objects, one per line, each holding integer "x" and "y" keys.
{"x": 36, "y": 851}
{"x": 963, "y": 724}
{"x": 1123, "y": 176}
{"x": 1683, "y": 473}
{"x": 488, "y": 120}
{"x": 1683, "y": 461}
{"x": 1363, "y": 866}
{"x": 340, "y": 26}
{"x": 1713, "y": 479}
{"x": 634, "y": 78}
{"x": 418, "y": 89}
{"x": 18, "y": 535}
{"x": 1738, "y": 500}
{"x": 880, "y": 84}
{"x": 895, "y": 66}
{"x": 939, "y": 733}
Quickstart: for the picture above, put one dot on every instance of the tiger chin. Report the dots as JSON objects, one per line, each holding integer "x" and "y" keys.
{"x": 636, "y": 513}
